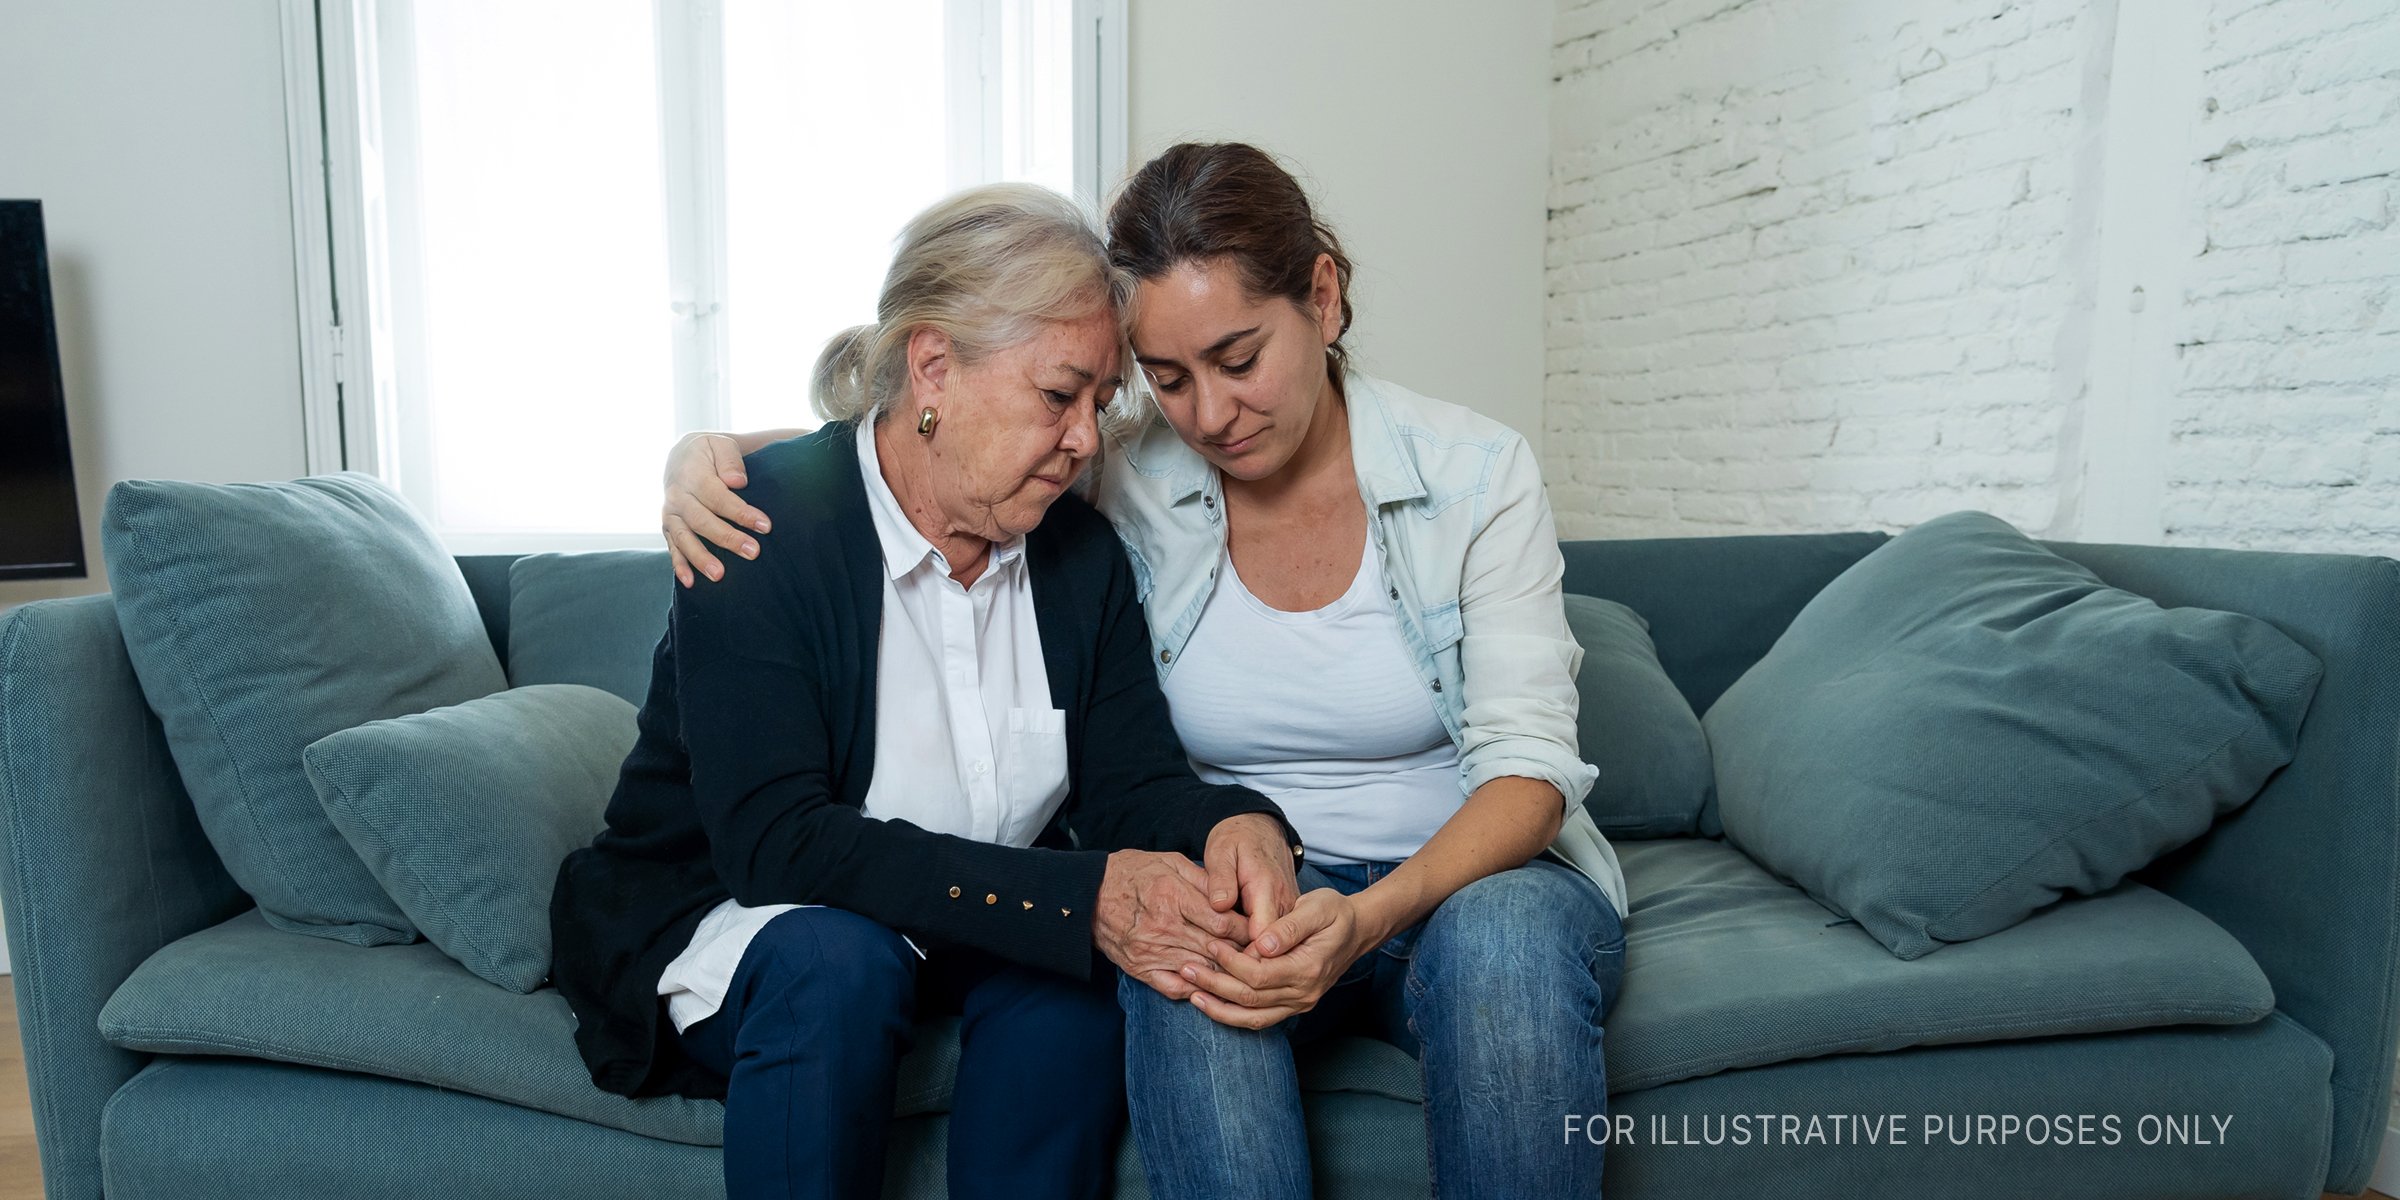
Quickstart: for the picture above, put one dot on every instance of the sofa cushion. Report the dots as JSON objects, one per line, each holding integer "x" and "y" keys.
{"x": 1965, "y": 726}
{"x": 592, "y": 618}
{"x": 409, "y": 1012}
{"x": 246, "y": 989}
{"x": 1727, "y": 966}
{"x": 463, "y": 813}
{"x": 261, "y": 617}
{"x": 1634, "y": 724}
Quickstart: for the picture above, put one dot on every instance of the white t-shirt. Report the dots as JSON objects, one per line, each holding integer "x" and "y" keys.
{"x": 1320, "y": 712}
{"x": 966, "y": 742}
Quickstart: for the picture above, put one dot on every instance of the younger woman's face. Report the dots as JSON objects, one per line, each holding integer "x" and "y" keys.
{"x": 1239, "y": 376}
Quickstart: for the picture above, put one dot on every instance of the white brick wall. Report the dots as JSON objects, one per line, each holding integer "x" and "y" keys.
{"x": 2286, "y": 403}
{"x": 1836, "y": 264}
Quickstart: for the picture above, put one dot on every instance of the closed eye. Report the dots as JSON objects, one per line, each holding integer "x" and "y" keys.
{"x": 1242, "y": 367}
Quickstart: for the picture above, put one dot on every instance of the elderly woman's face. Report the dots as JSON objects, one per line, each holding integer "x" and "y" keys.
{"x": 1018, "y": 426}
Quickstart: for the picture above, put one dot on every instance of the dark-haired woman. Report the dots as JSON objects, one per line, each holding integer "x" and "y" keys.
{"x": 1354, "y": 603}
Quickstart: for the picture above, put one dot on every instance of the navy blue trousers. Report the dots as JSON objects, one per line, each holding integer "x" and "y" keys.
{"x": 810, "y": 1038}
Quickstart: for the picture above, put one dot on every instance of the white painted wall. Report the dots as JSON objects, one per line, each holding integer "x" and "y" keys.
{"x": 1419, "y": 128}
{"x": 2115, "y": 271}
{"x": 153, "y": 135}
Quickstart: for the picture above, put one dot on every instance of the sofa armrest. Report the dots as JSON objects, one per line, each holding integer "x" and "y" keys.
{"x": 102, "y": 861}
{"x": 2307, "y": 874}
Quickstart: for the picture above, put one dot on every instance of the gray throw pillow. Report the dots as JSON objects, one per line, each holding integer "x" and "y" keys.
{"x": 464, "y": 813}
{"x": 1965, "y": 726}
{"x": 261, "y": 617}
{"x": 1634, "y": 724}
{"x": 592, "y": 618}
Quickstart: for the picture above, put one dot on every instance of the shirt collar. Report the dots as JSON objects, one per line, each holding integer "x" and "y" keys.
{"x": 1386, "y": 471}
{"x": 904, "y": 549}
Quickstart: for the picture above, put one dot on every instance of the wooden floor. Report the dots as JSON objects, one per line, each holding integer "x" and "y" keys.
{"x": 20, "y": 1166}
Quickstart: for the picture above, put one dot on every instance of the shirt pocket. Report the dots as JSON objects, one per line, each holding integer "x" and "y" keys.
{"x": 1442, "y": 627}
{"x": 1036, "y": 776}
{"x": 1443, "y": 631}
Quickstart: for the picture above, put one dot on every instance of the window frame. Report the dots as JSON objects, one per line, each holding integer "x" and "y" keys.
{"x": 352, "y": 401}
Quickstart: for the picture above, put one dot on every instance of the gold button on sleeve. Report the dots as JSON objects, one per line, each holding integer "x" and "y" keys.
{"x": 954, "y": 893}
{"x": 991, "y": 898}
{"x": 1028, "y": 905}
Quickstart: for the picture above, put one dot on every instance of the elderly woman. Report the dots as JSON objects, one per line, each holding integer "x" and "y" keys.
{"x": 919, "y": 762}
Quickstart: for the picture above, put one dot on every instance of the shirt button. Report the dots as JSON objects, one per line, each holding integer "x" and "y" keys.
{"x": 1166, "y": 656}
{"x": 983, "y": 768}
{"x": 1437, "y": 685}
{"x": 1395, "y": 593}
{"x": 954, "y": 893}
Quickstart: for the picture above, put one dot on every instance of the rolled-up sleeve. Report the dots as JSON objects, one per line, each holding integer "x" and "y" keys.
{"x": 1517, "y": 659}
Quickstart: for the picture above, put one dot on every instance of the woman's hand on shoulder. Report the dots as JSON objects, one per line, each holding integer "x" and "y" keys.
{"x": 702, "y": 472}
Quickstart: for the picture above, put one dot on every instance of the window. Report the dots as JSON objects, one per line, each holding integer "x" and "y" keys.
{"x": 544, "y": 238}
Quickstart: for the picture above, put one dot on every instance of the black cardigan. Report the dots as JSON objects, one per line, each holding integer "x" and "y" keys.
{"x": 758, "y": 739}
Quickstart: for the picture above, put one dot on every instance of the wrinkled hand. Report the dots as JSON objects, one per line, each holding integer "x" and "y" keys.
{"x": 1154, "y": 919}
{"x": 1250, "y": 865}
{"x": 1286, "y": 971}
{"x": 702, "y": 472}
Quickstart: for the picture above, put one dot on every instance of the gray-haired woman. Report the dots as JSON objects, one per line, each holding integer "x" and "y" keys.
{"x": 917, "y": 762}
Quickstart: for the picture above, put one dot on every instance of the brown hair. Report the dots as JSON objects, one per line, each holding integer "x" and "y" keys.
{"x": 1209, "y": 200}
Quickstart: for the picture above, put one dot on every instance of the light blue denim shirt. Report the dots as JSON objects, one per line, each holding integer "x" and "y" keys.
{"x": 1470, "y": 561}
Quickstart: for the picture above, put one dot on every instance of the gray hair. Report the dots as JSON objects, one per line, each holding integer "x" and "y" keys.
{"x": 986, "y": 267}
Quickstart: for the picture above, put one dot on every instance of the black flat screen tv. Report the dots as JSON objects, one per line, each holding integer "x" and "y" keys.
{"x": 41, "y": 533}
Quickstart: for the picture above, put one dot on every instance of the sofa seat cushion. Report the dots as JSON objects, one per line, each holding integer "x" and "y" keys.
{"x": 409, "y": 1012}
{"x": 247, "y": 989}
{"x": 1728, "y": 967}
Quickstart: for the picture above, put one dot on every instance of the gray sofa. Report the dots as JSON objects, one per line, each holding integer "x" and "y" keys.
{"x": 2236, "y": 1003}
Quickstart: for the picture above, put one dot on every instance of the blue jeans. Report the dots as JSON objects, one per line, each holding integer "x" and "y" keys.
{"x": 809, "y": 1041}
{"x": 1499, "y": 993}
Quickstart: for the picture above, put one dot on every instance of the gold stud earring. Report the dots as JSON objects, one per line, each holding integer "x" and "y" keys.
{"x": 926, "y": 421}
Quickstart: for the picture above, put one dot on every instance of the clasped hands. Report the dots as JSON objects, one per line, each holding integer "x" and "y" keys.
{"x": 1233, "y": 934}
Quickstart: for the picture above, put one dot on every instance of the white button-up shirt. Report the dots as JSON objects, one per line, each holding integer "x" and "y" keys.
{"x": 966, "y": 742}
